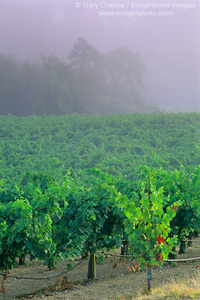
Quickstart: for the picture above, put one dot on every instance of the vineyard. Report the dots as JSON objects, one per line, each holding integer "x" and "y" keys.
{"x": 115, "y": 144}
{"x": 76, "y": 186}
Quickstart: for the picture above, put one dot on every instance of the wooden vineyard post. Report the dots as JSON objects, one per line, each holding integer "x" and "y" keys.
{"x": 92, "y": 267}
{"x": 124, "y": 247}
{"x": 190, "y": 240}
{"x": 149, "y": 277}
{"x": 182, "y": 247}
{"x": 22, "y": 260}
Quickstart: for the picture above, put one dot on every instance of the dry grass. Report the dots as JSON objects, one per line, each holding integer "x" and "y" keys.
{"x": 175, "y": 289}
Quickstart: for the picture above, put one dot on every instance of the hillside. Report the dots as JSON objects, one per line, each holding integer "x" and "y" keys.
{"x": 117, "y": 144}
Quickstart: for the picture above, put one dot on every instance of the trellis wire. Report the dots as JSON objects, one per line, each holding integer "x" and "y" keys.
{"x": 42, "y": 278}
{"x": 175, "y": 260}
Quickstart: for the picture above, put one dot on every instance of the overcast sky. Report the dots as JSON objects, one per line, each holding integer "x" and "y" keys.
{"x": 167, "y": 33}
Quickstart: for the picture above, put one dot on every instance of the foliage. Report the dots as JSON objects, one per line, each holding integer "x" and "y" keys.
{"x": 50, "y": 221}
{"x": 115, "y": 144}
{"x": 147, "y": 222}
{"x": 195, "y": 190}
{"x": 49, "y": 213}
{"x": 27, "y": 219}
{"x": 91, "y": 216}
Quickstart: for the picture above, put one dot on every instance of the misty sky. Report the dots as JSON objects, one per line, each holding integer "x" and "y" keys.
{"x": 168, "y": 37}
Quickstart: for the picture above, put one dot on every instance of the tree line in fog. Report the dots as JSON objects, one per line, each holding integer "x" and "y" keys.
{"x": 89, "y": 81}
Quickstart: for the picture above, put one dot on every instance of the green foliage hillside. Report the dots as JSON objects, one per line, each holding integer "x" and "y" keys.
{"x": 116, "y": 144}
{"x": 134, "y": 186}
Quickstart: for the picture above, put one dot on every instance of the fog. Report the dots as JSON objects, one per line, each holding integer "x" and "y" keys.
{"x": 165, "y": 33}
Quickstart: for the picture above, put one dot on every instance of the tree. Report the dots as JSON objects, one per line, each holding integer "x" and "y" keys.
{"x": 124, "y": 71}
{"x": 57, "y": 98}
{"x": 89, "y": 82}
{"x": 85, "y": 64}
{"x": 9, "y": 85}
{"x": 106, "y": 82}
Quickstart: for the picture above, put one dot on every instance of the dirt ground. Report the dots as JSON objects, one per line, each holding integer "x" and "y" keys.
{"x": 111, "y": 283}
